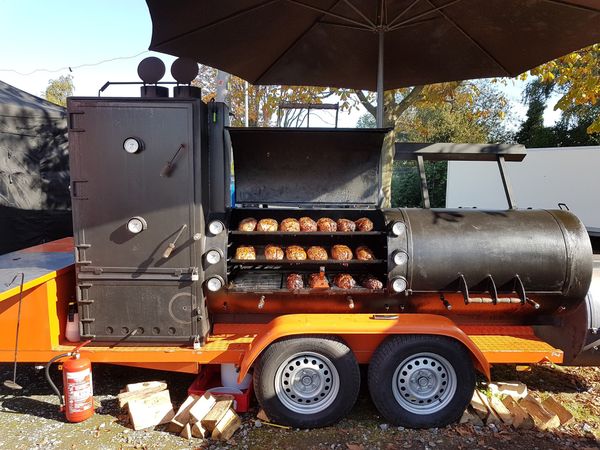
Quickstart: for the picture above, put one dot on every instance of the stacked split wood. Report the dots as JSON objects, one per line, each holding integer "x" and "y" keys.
{"x": 511, "y": 404}
{"x": 205, "y": 416}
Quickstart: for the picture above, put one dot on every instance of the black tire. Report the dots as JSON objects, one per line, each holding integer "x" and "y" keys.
{"x": 316, "y": 354}
{"x": 437, "y": 403}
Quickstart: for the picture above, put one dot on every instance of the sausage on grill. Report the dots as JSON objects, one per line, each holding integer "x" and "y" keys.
{"x": 267, "y": 225}
{"x": 345, "y": 225}
{"x": 318, "y": 281}
{"x": 364, "y": 253}
{"x": 307, "y": 224}
{"x": 326, "y": 224}
{"x": 341, "y": 252}
{"x": 295, "y": 252}
{"x": 344, "y": 281}
{"x": 272, "y": 252}
{"x": 295, "y": 281}
{"x": 371, "y": 282}
{"x": 364, "y": 224}
{"x": 289, "y": 225}
{"x": 247, "y": 224}
{"x": 316, "y": 253}
{"x": 245, "y": 252}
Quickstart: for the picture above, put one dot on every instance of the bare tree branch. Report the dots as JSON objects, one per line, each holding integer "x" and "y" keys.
{"x": 407, "y": 101}
{"x": 366, "y": 103}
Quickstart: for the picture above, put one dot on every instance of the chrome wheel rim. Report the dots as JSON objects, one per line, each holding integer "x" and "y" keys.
{"x": 307, "y": 383}
{"x": 424, "y": 383}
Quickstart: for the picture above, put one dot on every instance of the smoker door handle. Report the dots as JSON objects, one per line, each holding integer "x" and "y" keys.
{"x": 74, "y": 190}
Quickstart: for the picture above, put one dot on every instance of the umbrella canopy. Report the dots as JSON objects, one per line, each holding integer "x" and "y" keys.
{"x": 337, "y": 42}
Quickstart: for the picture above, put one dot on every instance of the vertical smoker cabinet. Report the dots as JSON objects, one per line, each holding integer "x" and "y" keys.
{"x": 138, "y": 159}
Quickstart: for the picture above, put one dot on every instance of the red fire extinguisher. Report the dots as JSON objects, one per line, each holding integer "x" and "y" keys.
{"x": 78, "y": 404}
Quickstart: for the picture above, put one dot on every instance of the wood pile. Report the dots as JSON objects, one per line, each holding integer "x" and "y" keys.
{"x": 511, "y": 404}
{"x": 207, "y": 416}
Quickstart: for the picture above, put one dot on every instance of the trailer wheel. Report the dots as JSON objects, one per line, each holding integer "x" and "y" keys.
{"x": 307, "y": 382}
{"x": 421, "y": 381}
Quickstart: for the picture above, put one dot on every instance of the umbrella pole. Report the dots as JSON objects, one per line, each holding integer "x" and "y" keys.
{"x": 379, "y": 116}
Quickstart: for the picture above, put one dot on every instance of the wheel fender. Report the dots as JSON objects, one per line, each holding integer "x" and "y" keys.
{"x": 359, "y": 324}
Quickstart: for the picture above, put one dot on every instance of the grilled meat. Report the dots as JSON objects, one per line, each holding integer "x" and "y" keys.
{"x": 341, "y": 252}
{"x": 295, "y": 281}
{"x": 289, "y": 225}
{"x": 318, "y": 281}
{"x": 364, "y": 224}
{"x": 267, "y": 225}
{"x": 344, "y": 281}
{"x": 295, "y": 252}
{"x": 345, "y": 225}
{"x": 245, "y": 252}
{"x": 326, "y": 224}
{"x": 307, "y": 224}
{"x": 247, "y": 224}
{"x": 316, "y": 253}
{"x": 370, "y": 282}
{"x": 364, "y": 253}
{"x": 273, "y": 252}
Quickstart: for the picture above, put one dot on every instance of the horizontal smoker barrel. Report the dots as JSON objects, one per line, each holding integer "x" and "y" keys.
{"x": 549, "y": 251}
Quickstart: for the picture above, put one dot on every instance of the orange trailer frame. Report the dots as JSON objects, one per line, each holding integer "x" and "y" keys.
{"x": 43, "y": 322}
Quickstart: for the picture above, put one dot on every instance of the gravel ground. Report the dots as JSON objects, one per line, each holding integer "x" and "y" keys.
{"x": 30, "y": 419}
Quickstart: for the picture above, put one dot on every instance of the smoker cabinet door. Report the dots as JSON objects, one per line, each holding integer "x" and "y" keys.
{"x": 115, "y": 180}
{"x": 138, "y": 311}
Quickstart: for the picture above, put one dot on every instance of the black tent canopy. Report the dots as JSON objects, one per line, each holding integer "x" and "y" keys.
{"x": 34, "y": 171}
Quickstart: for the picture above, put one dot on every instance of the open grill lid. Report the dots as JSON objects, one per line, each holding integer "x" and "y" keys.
{"x": 307, "y": 166}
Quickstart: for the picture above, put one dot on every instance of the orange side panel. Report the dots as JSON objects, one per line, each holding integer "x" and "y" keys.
{"x": 168, "y": 367}
{"x": 363, "y": 325}
{"x": 41, "y": 325}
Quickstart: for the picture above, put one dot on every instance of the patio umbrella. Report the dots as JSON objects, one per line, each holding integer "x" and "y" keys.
{"x": 372, "y": 44}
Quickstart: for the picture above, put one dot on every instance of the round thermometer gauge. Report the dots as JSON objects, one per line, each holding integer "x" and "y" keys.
{"x": 136, "y": 224}
{"x": 132, "y": 145}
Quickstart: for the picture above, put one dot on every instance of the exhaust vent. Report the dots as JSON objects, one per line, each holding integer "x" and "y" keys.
{"x": 151, "y": 70}
{"x": 184, "y": 71}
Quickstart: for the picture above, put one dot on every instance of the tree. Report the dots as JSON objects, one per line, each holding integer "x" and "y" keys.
{"x": 263, "y": 101}
{"x": 577, "y": 77}
{"x": 59, "y": 89}
{"x": 471, "y": 112}
{"x": 573, "y": 127}
{"x": 532, "y": 132}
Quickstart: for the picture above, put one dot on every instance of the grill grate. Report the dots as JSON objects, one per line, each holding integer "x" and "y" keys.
{"x": 261, "y": 282}
{"x": 257, "y": 281}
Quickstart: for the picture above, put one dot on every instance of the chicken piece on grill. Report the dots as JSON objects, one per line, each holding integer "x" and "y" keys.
{"x": 364, "y": 253}
{"x": 247, "y": 224}
{"x": 364, "y": 224}
{"x": 316, "y": 253}
{"x": 273, "y": 252}
{"x": 267, "y": 225}
{"x": 307, "y": 224}
{"x": 318, "y": 281}
{"x": 245, "y": 252}
{"x": 341, "y": 252}
{"x": 295, "y": 252}
{"x": 289, "y": 225}
{"x": 295, "y": 281}
{"x": 370, "y": 282}
{"x": 345, "y": 225}
{"x": 326, "y": 224}
{"x": 344, "y": 281}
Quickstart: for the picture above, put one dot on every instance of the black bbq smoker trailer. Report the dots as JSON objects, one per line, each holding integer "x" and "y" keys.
{"x": 159, "y": 282}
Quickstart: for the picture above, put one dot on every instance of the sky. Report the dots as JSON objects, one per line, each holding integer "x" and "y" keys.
{"x": 56, "y": 34}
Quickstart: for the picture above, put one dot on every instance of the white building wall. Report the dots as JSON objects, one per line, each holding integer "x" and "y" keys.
{"x": 546, "y": 177}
